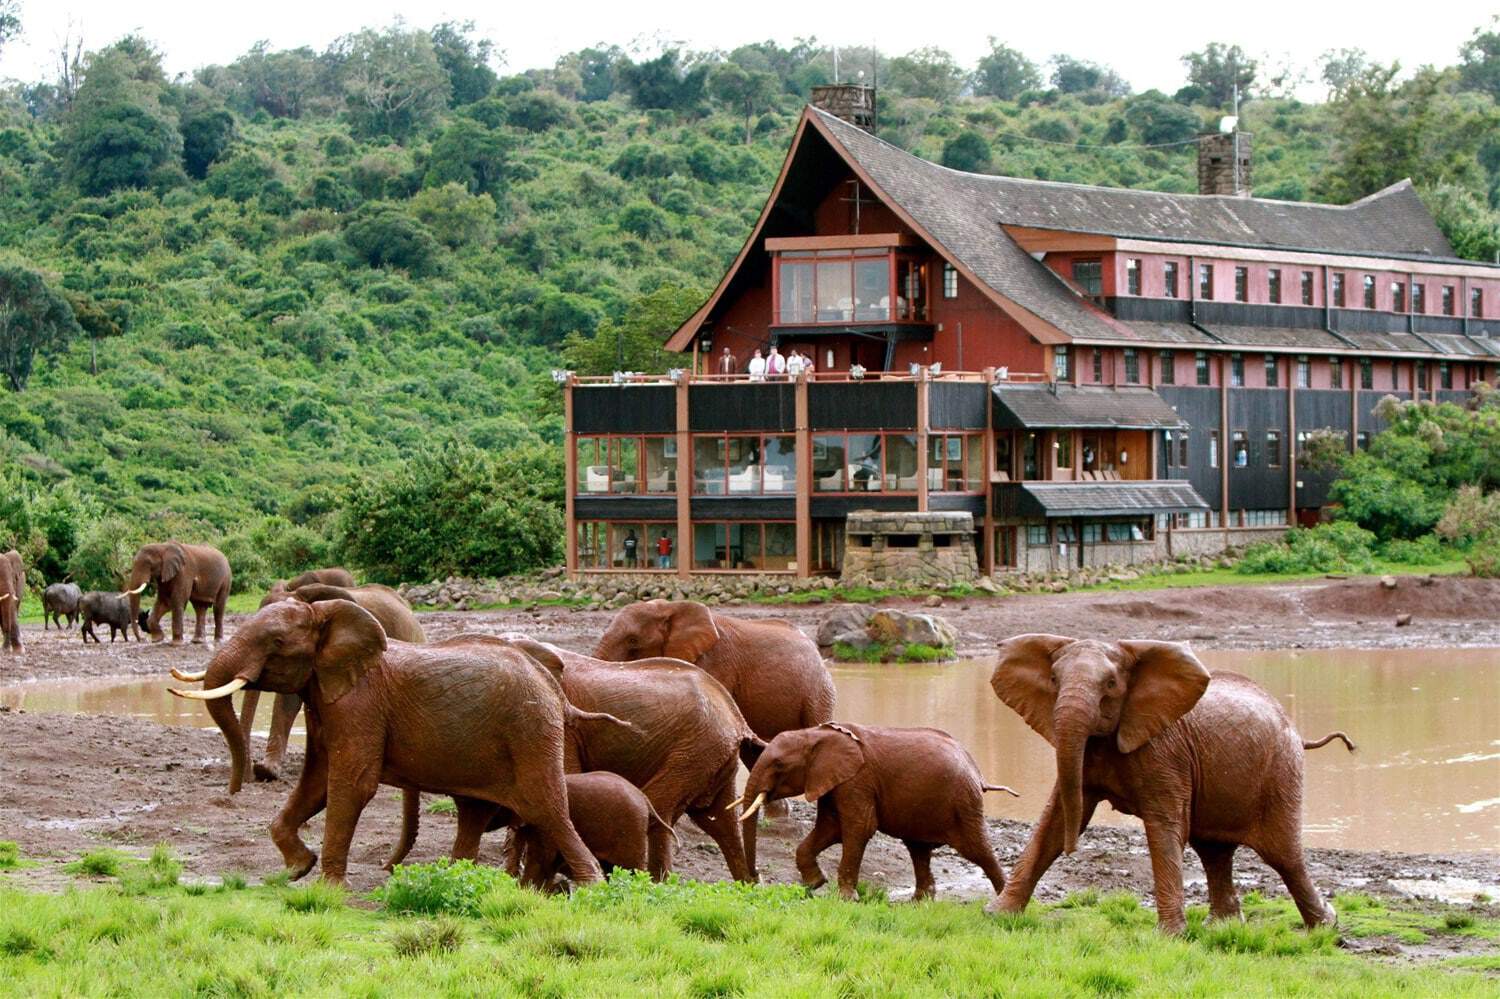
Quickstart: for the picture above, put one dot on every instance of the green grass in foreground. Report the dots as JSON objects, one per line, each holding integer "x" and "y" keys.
{"x": 681, "y": 938}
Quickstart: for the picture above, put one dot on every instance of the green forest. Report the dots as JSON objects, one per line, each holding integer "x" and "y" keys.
{"x": 305, "y": 305}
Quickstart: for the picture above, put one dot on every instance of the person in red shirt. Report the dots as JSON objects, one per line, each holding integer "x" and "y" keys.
{"x": 664, "y": 551}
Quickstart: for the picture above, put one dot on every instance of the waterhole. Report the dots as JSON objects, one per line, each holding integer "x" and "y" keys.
{"x": 1427, "y": 722}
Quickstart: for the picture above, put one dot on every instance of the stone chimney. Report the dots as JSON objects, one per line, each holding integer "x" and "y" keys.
{"x": 853, "y": 102}
{"x": 1217, "y": 153}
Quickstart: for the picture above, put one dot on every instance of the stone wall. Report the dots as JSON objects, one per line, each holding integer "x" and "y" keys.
{"x": 909, "y": 549}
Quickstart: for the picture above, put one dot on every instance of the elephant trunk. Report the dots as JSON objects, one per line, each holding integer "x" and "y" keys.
{"x": 222, "y": 669}
{"x": 1071, "y": 725}
{"x": 138, "y": 581}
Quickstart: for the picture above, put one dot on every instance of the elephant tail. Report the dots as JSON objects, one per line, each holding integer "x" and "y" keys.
{"x": 660, "y": 838}
{"x": 411, "y": 808}
{"x": 999, "y": 787}
{"x": 1329, "y": 738}
{"x": 751, "y": 746}
{"x": 580, "y": 717}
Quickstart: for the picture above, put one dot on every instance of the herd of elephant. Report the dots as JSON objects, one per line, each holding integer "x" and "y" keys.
{"x": 591, "y": 760}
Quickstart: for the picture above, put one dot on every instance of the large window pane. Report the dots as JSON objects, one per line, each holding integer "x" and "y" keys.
{"x": 911, "y": 293}
{"x": 710, "y": 547}
{"x": 901, "y": 463}
{"x": 591, "y": 550}
{"x": 834, "y": 291}
{"x": 624, "y": 464}
{"x": 779, "y": 473}
{"x": 661, "y": 470}
{"x": 974, "y": 463}
{"x": 744, "y": 464}
{"x": 659, "y": 547}
{"x": 744, "y": 546}
{"x": 872, "y": 290}
{"x": 781, "y": 547}
{"x": 797, "y": 293}
{"x": 828, "y": 463}
{"x": 627, "y": 546}
{"x": 864, "y": 463}
{"x": 593, "y": 465}
{"x": 708, "y": 465}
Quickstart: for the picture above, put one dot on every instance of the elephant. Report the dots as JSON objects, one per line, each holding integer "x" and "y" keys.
{"x": 478, "y": 721}
{"x": 916, "y": 784}
{"x": 183, "y": 574}
{"x": 105, "y": 607}
{"x": 689, "y": 741}
{"x": 333, "y": 577}
{"x": 1207, "y": 760}
{"x": 60, "y": 600}
{"x": 12, "y": 592}
{"x": 615, "y": 821}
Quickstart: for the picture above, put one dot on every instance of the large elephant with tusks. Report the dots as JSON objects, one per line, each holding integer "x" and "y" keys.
{"x": 183, "y": 574}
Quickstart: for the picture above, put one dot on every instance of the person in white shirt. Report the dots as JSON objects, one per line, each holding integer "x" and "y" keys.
{"x": 775, "y": 363}
{"x": 757, "y": 367}
{"x": 794, "y": 365}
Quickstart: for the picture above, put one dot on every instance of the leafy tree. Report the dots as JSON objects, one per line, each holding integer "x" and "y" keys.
{"x": 1158, "y": 120}
{"x": 456, "y": 217}
{"x": 393, "y": 83}
{"x": 10, "y": 20}
{"x": 1479, "y": 65}
{"x": 748, "y": 91}
{"x": 207, "y": 131}
{"x": 465, "y": 61}
{"x": 385, "y": 236}
{"x": 538, "y": 111}
{"x": 1005, "y": 73}
{"x": 1220, "y": 71}
{"x": 1472, "y": 521}
{"x": 968, "y": 151}
{"x": 928, "y": 72}
{"x": 283, "y": 84}
{"x": 664, "y": 82}
{"x": 34, "y": 319}
{"x": 471, "y": 154}
{"x": 1341, "y": 68}
{"x": 1078, "y": 76}
{"x": 117, "y": 132}
{"x": 1472, "y": 227}
{"x": 634, "y": 342}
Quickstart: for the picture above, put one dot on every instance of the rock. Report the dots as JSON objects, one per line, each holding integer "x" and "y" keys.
{"x": 933, "y": 601}
{"x": 859, "y": 639}
{"x": 894, "y": 626}
{"x": 987, "y": 584}
{"x": 841, "y": 619}
{"x": 1389, "y": 582}
{"x": 1402, "y": 620}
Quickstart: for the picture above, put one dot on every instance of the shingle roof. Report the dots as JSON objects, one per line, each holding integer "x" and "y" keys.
{"x": 1469, "y": 346}
{"x": 1106, "y": 499}
{"x": 1127, "y": 408}
{"x": 1392, "y": 222}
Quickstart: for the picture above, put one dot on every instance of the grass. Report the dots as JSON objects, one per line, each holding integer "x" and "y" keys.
{"x": 441, "y": 806}
{"x": 10, "y": 855}
{"x": 631, "y": 937}
{"x": 893, "y": 652}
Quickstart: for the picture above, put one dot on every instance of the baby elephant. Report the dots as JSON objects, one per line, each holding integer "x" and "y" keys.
{"x": 102, "y": 607}
{"x": 614, "y": 820}
{"x": 60, "y": 600}
{"x": 916, "y": 784}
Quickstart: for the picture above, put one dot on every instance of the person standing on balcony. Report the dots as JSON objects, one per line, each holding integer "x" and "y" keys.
{"x": 775, "y": 364}
{"x": 794, "y": 364}
{"x": 727, "y": 363}
{"x": 630, "y": 544}
{"x": 757, "y": 367}
{"x": 664, "y": 551}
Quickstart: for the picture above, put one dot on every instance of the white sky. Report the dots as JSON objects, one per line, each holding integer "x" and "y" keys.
{"x": 1143, "y": 41}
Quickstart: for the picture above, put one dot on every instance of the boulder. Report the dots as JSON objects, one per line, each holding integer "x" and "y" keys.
{"x": 1402, "y": 620}
{"x": 1389, "y": 582}
{"x": 894, "y": 626}
{"x": 843, "y": 619}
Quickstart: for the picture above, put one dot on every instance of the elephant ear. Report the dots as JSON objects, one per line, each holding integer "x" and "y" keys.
{"x": 352, "y": 639}
{"x": 1023, "y": 678}
{"x": 1166, "y": 680}
{"x": 172, "y": 558}
{"x": 311, "y": 593}
{"x": 690, "y": 631}
{"x": 835, "y": 756}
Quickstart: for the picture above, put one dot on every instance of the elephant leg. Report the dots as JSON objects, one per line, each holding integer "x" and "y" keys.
{"x": 1044, "y": 847}
{"x": 973, "y": 844}
{"x": 219, "y": 602}
{"x": 179, "y": 616}
{"x": 411, "y": 817}
{"x": 350, "y": 789}
{"x": 515, "y": 853}
{"x": 200, "y": 620}
{"x": 724, "y": 828}
{"x": 825, "y": 833}
{"x": 1218, "y": 868}
{"x": 247, "y": 720}
{"x": 857, "y": 830}
{"x": 473, "y": 819}
{"x": 1287, "y": 861}
{"x": 921, "y": 865}
{"x": 283, "y": 715}
{"x": 1164, "y": 841}
{"x": 153, "y": 620}
{"x": 306, "y": 800}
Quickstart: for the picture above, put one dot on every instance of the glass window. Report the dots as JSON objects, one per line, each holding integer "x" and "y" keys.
{"x": 974, "y": 463}
{"x": 711, "y": 546}
{"x": 1062, "y": 369}
{"x": 1421, "y": 374}
{"x": 1182, "y": 449}
{"x": 780, "y": 547}
{"x": 744, "y": 464}
{"x": 1273, "y": 448}
{"x": 1062, "y": 449}
{"x": 796, "y": 292}
{"x": 1398, "y": 296}
{"x": 1002, "y": 452}
{"x": 1271, "y": 371}
{"x": 593, "y": 464}
{"x": 1029, "y": 452}
{"x": 1132, "y": 367}
{"x": 1092, "y": 533}
{"x": 1307, "y": 287}
{"x": 1395, "y": 374}
{"x": 1132, "y": 276}
{"x": 1304, "y": 371}
{"x": 950, "y": 281}
{"x": 1098, "y": 365}
{"x": 1239, "y": 443}
{"x": 1273, "y": 285}
{"x": 1476, "y": 303}
{"x": 1241, "y": 284}
{"x": 1366, "y": 373}
{"x": 1200, "y": 361}
{"x": 1171, "y": 449}
{"x": 1362, "y": 440}
{"x": 864, "y": 463}
{"x": 1169, "y": 278}
{"x": 872, "y": 291}
{"x": 1419, "y": 298}
{"x": 834, "y": 302}
{"x": 709, "y": 477}
{"x": 1338, "y": 290}
{"x": 1335, "y": 373}
{"x": 779, "y": 473}
{"x": 901, "y": 463}
{"x": 1168, "y": 366}
{"x": 1089, "y": 276}
{"x": 660, "y": 454}
{"x": 1118, "y": 531}
{"x": 911, "y": 293}
{"x": 1213, "y": 449}
{"x": 1447, "y": 300}
{"x": 624, "y": 463}
{"x": 1206, "y": 282}
{"x": 1445, "y": 375}
{"x": 1236, "y": 370}
{"x": 1036, "y": 534}
{"x": 829, "y": 463}
{"x": 1369, "y": 291}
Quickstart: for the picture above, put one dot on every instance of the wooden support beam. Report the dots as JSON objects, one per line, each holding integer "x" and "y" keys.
{"x": 924, "y": 406}
{"x": 804, "y": 478}
{"x": 684, "y": 482}
{"x": 570, "y": 480}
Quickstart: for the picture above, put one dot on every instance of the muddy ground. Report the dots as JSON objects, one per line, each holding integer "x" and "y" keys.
{"x": 71, "y": 783}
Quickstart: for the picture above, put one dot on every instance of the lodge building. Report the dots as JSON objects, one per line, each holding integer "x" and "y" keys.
{"x": 1097, "y": 375}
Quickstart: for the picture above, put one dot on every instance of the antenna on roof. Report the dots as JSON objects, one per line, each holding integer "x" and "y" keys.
{"x": 835, "y": 64}
{"x": 1236, "y": 129}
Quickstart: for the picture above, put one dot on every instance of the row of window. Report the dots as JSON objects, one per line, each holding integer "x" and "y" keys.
{"x": 1088, "y": 274}
{"x": 1064, "y": 532}
{"x": 757, "y": 546}
{"x": 1062, "y": 369}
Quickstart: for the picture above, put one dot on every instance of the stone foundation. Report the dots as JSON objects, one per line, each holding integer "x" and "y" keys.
{"x": 909, "y": 549}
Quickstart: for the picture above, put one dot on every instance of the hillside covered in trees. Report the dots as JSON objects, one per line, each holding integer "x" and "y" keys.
{"x": 306, "y": 303}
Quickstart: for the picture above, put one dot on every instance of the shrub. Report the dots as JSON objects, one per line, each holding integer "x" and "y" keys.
{"x": 320, "y": 896}
{"x": 442, "y": 806}
{"x": 1472, "y": 521}
{"x": 445, "y": 886}
{"x": 10, "y": 855}
{"x": 1335, "y": 547}
{"x": 1423, "y": 551}
{"x": 102, "y": 559}
{"x": 441, "y": 936}
{"x": 105, "y": 863}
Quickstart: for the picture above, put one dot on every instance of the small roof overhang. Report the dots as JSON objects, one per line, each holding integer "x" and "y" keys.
{"x": 1028, "y": 407}
{"x": 1102, "y": 499}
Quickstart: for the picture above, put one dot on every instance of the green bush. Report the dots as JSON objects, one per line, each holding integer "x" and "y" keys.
{"x": 1337, "y": 547}
{"x": 445, "y": 886}
{"x": 10, "y": 855}
{"x": 1423, "y": 551}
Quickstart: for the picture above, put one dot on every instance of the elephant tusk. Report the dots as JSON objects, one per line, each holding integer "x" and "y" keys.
{"x": 736, "y": 803}
{"x": 6, "y": 596}
{"x": 138, "y": 590}
{"x": 189, "y": 677}
{"x": 214, "y": 694}
{"x": 754, "y": 806}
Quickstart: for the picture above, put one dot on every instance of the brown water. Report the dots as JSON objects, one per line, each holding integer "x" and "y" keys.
{"x": 1427, "y": 721}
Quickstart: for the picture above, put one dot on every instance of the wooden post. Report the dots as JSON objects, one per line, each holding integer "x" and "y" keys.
{"x": 1354, "y": 407}
{"x": 570, "y": 479}
{"x": 684, "y": 481}
{"x": 1224, "y": 440}
{"x": 987, "y": 561}
{"x": 924, "y": 399}
{"x": 1291, "y": 447}
{"x": 803, "y": 507}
